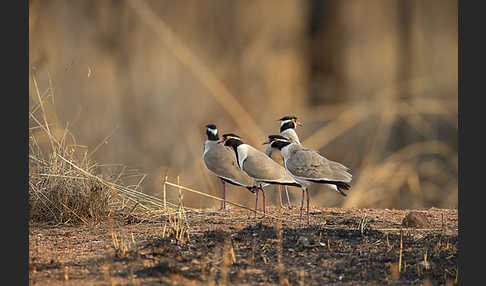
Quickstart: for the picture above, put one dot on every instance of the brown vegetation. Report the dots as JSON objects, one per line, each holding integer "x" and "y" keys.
{"x": 375, "y": 85}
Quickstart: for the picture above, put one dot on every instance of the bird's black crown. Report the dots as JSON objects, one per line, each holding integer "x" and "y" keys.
{"x": 212, "y": 132}
{"x": 289, "y": 117}
{"x": 278, "y": 141}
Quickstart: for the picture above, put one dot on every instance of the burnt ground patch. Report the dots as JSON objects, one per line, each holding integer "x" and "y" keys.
{"x": 347, "y": 250}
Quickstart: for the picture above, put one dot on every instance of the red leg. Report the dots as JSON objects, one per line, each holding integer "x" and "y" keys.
{"x": 288, "y": 199}
{"x": 264, "y": 201}
{"x": 302, "y": 204}
{"x": 223, "y": 202}
{"x": 280, "y": 195}
{"x": 307, "y": 191}
{"x": 256, "y": 201}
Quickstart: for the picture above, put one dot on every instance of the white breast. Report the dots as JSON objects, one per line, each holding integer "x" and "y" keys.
{"x": 242, "y": 153}
{"x": 207, "y": 146}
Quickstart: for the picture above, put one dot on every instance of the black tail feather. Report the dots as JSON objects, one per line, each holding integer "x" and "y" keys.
{"x": 341, "y": 192}
{"x": 250, "y": 188}
{"x": 280, "y": 183}
{"x": 339, "y": 185}
{"x": 343, "y": 185}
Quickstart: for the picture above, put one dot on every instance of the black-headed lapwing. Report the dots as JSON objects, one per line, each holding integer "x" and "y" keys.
{"x": 257, "y": 165}
{"x": 222, "y": 162}
{"x": 307, "y": 166}
{"x": 287, "y": 129}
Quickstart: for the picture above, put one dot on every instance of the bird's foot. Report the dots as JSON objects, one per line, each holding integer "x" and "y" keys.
{"x": 222, "y": 208}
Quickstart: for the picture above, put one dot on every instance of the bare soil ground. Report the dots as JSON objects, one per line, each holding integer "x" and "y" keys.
{"x": 339, "y": 246}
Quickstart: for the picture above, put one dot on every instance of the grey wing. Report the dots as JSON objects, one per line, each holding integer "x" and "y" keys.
{"x": 260, "y": 166}
{"x": 223, "y": 164}
{"x": 308, "y": 164}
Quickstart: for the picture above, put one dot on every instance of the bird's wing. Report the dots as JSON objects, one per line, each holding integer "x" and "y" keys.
{"x": 261, "y": 167}
{"x": 310, "y": 165}
{"x": 222, "y": 162}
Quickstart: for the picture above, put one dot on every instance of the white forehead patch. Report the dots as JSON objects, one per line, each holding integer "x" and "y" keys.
{"x": 214, "y": 131}
{"x": 280, "y": 140}
{"x": 284, "y": 122}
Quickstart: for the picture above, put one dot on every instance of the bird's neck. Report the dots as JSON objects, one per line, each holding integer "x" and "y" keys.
{"x": 235, "y": 144}
{"x": 241, "y": 152}
{"x": 291, "y": 134}
{"x": 288, "y": 149}
{"x": 212, "y": 136}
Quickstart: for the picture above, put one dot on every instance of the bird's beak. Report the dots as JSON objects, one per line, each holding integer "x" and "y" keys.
{"x": 221, "y": 140}
{"x": 298, "y": 123}
{"x": 267, "y": 142}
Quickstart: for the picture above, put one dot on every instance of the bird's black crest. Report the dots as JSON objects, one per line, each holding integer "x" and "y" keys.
{"x": 272, "y": 137}
{"x": 231, "y": 135}
{"x": 278, "y": 141}
{"x": 289, "y": 117}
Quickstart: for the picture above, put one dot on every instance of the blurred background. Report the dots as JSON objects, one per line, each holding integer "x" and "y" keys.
{"x": 375, "y": 84}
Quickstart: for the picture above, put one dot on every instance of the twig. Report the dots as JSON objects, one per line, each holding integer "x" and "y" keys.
{"x": 400, "y": 258}
{"x": 165, "y": 193}
{"x": 104, "y": 141}
{"x": 216, "y": 198}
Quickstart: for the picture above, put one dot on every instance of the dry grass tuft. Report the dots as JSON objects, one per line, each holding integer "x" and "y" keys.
{"x": 123, "y": 247}
{"x": 66, "y": 185}
{"x": 58, "y": 192}
{"x": 177, "y": 228}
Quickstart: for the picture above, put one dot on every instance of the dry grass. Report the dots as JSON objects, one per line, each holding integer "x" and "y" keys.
{"x": 58, "y": 192}
{"x": 177, "y": 227}
{"x": 67, "y": 186}
{"x": 224, "y": 68}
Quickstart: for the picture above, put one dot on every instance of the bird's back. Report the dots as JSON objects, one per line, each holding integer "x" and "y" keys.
{"x": 308, "y": 164}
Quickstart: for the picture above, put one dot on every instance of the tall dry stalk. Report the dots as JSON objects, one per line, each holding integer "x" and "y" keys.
{"x": 65, "y": 184}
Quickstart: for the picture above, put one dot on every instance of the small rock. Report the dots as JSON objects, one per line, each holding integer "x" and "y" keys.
{"x": 415, "y": 219}
{"x": 303, "y": 241}
{"x": 426, "y": 265}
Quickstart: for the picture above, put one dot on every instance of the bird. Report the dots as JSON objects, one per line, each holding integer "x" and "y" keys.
{"x": 222, "y": 162}
{"x": 307, "y": 166}
{"x": 287, "y": 128}
{"x": 258, "y": 166}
